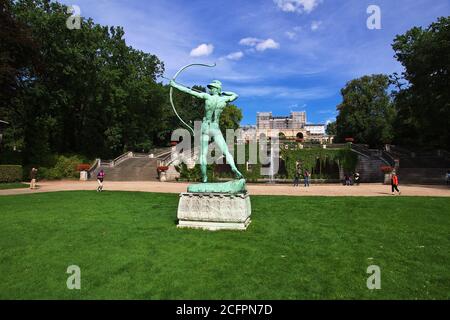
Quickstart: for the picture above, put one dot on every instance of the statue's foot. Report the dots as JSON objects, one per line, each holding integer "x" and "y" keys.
{"x": 238, "y": 174}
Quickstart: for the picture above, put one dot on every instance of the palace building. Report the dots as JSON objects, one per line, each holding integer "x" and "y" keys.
{"x": 292, "y": 127}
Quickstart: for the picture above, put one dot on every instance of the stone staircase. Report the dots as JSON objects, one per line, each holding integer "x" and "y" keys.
{"x": 421, "y": 167}
{"x": 430, "y": 159}
{"x": 369, "y": 163}
{"x": 130, "y": 167}
{"x": 369, "y": 169}
{"x": 422, "y": 175}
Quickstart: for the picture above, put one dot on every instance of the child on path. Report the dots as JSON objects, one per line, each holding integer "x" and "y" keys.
{"x": 100, "y": 177}
{"x": 394, "y": 183}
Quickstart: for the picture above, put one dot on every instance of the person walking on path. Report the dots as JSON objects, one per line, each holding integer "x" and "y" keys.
{"x": 448, "y": 177}
{"x": 296, "y": 179}
{"x": 100, "y": 177}
{"x": 356, "y": 178}
{"x": 33, "y": 175}
{"x": 394, "y": 183}
{"x": 306, "y": 175}
{"x": 347, "y": 180}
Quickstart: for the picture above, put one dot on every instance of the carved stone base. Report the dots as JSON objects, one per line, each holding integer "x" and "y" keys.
{"x": 214, "y": 211}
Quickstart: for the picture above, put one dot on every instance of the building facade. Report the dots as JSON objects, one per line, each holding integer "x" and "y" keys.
{"x": 292, "y": 127}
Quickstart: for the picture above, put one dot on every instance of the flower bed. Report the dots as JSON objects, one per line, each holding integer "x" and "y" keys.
{"x": 83, "y": 167}
{"x": 386, "y": 169}
{"x": 162, "y": 168}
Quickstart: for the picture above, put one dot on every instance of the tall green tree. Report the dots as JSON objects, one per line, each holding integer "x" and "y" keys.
{"x": 423, "y": 101}
{"x": 230, "y": 118}
{"x": 366, "y": 112}
{"x": 331, "y": 128}
{"x": 93, "y": 94}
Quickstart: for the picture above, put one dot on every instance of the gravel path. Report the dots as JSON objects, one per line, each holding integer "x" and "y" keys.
{"x": 369, "y": 190}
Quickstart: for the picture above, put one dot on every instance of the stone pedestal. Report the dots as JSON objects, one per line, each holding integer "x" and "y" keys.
{"x": 214, "y": 211}
{"x": 387, "y": 178}
{"x": 83, "y": 175}
{"x": 172, "y": 174}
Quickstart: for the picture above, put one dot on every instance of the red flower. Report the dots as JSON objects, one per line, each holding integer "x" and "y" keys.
{"x": 83, "y": 167}
{"x": 162, "y": 168}
{"x": 386, "y": 169}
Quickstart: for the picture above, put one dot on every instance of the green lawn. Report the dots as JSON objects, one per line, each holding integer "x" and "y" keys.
{"x": 17, "y": 185}
{"x": 127, "y": 246}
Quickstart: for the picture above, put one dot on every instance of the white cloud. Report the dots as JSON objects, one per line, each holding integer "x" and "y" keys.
{"x": 315, "y": 25}
{"x": 290, "y": 34}
{"x": 267, "y": 44}
{"x": 235, "y": 55}
{"x": 202, "y": 50}
{"x": 249, "y": 41}
{"x": 260, "y": 44}
{"x": 298, "y": 6}
{"x": 281, "y": 92}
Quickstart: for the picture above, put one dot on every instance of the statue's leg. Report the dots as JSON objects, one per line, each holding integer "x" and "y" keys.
{"x": 203, "y": 156}
{"x": 220, "y": 141}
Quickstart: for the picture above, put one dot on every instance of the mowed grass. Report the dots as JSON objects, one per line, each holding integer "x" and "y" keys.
{"x": 128, "y": 247}
{"x": 4, "y": 186}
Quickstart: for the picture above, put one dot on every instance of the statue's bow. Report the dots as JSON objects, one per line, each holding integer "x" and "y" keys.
{"x": 171, "y": 89}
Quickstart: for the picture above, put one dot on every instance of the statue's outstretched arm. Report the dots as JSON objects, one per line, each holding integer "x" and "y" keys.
{"x": 200, "y": 95}
{"x": 231, "y": 96}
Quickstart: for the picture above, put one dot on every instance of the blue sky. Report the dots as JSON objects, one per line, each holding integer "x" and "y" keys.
{"x": 278, "y": 55}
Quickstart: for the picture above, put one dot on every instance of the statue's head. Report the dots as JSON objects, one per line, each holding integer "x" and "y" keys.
{"x": 215, "y": 87}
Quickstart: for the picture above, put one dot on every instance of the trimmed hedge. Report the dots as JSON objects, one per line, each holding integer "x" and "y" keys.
{"x": 10, "y": 173}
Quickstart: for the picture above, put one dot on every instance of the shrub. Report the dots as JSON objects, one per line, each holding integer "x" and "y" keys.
{"x": 195, "y": 174}
{"x": 10, "y": 173}
{"x": 65, "y": 167}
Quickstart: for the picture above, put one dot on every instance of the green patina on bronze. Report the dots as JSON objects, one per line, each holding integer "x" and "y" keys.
{"x": 235, "y": 186}
{"x": 215, "y": 102}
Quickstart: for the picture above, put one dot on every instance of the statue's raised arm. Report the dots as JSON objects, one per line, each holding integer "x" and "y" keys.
{"x": 231, "y": 96}
{"x": 200, "y": 95}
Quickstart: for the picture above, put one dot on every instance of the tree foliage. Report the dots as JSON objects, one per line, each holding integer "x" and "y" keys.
{"x": 92, "y": 95}
{"x": 230, "y": 118}
{"x": 331, "y": 128}
{"x": 422, "y": 98}
{"x": 366, "y": 112}
{"x": 81, "y": 91}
